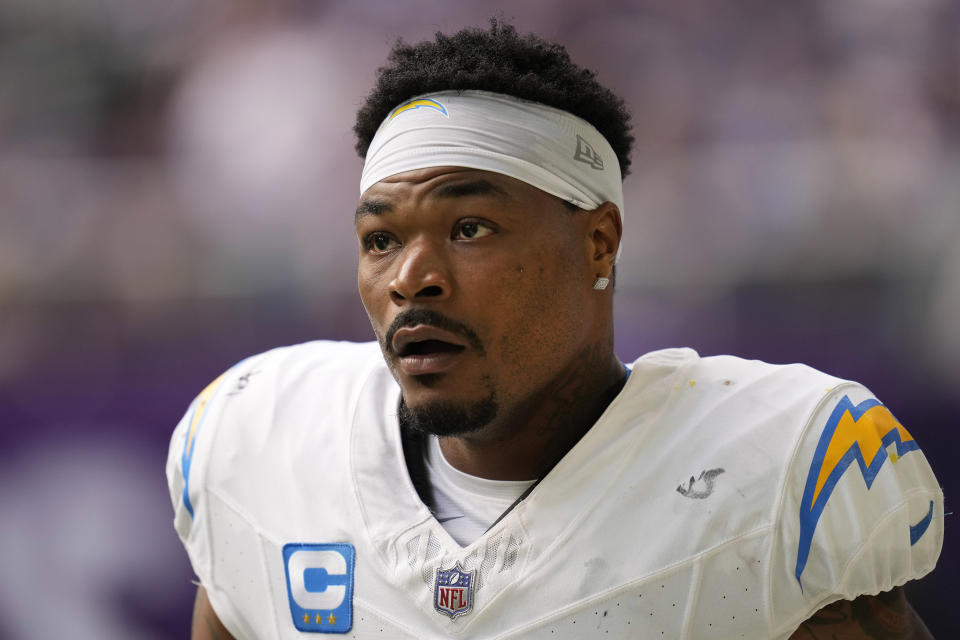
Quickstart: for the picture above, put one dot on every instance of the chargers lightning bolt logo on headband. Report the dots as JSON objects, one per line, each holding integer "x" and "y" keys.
{"x": 419, "y": 103}
{"x": 854, "y": 433}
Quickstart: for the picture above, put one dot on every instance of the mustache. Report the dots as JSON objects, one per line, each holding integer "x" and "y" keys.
{"x": 414, "y": 317}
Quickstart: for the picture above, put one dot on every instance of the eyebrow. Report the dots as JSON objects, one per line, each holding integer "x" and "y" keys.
{"x": 371, "y": 208}
{"x": 479, "y": 187}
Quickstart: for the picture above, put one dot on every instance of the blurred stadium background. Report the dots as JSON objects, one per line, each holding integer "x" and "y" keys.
{"x": 177, "y": 181}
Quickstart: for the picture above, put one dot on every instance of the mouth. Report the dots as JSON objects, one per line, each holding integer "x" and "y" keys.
{"x": 430, "y": 347}
{"x": 424, "y": 350}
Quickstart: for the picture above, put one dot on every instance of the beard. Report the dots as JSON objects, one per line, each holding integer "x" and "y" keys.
{"x": 447, "y": 418}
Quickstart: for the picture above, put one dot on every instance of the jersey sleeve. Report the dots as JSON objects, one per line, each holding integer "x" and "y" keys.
{"x": 200, "y": 449}
{"x": 861, "y": 509}
{"x": 191, "y": 447}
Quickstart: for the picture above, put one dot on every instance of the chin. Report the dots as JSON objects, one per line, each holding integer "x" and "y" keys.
{"x": 448, "y": 417}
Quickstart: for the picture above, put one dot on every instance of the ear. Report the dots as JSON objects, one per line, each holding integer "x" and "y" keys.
{"x": 605, "y": 231}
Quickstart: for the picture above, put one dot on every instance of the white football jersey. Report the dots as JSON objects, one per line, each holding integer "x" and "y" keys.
{"x": 714, "y": 498}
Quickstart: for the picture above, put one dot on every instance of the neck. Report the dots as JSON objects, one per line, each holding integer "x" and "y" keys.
{"x": 528, "y": 440}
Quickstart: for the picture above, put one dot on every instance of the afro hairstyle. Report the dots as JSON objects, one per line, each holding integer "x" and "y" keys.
{"x": 498, "y": 60}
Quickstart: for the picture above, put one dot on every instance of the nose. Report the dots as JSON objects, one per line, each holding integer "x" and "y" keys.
{"x": 422, "y": 274}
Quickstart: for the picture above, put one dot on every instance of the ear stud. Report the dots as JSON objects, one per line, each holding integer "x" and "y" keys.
{"x": 600, "y": 283}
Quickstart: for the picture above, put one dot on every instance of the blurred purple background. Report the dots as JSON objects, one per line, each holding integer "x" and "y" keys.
{"x": 177, "y": 182}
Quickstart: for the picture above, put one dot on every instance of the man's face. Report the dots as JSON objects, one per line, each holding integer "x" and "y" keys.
{"x": 478, "y": 287}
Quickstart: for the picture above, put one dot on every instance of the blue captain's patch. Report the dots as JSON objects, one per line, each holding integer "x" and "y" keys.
{"x": 320, "y": 586}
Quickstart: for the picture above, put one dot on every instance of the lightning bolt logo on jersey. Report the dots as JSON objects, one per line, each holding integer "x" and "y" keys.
{"x": 853, "y": 433}
{"x": 197, "y": 414}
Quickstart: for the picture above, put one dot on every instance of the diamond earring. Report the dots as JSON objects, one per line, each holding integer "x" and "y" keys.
{"x": 600, "y": 283}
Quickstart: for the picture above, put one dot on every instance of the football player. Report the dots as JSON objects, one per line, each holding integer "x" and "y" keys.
{"x": 489, "y": 468}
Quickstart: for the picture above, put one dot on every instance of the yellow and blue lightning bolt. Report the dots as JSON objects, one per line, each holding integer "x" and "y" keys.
{"x": 198, "y": 413}
{"x": 853, "y": 433}
{"x": 419, "y": 103}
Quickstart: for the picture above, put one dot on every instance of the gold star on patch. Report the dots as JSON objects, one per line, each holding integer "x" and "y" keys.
{"x": 319, "y": 619}
{"x": 332, "y": 619}
{"x": 306, "y": 618}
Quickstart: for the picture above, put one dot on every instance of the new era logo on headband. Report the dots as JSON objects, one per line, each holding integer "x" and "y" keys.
{"x": 586, "y": 154}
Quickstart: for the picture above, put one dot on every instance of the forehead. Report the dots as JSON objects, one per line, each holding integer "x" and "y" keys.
{"x": 448, "y": 184}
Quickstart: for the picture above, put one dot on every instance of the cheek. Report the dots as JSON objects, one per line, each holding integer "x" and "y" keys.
{"x": 373, "y": 296}
{"x": 541, "y": 321}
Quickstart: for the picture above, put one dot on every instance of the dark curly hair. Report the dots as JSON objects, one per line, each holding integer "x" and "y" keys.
{"x": 502, "y": 61}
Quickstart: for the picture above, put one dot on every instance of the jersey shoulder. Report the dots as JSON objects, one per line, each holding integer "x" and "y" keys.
{"x": 842, "y": 487}
{"x": 248, "y": 401}
{"x": 747, "y": 412}
{"x": 859, "y": 508}
{"x": 860, "y": 512}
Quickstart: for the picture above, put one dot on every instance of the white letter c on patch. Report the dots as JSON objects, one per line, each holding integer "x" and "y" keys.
{"x": 333, "y": 563}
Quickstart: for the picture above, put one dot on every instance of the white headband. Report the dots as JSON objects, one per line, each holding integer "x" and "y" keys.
{"x": 550, "y": 149}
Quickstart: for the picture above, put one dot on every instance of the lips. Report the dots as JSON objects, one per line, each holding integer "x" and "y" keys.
{"x": 424, "y": 349}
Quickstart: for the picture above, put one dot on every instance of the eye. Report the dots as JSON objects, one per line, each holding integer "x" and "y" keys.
{"x": 379, "y": 242}
{"x": 471, "y": 230}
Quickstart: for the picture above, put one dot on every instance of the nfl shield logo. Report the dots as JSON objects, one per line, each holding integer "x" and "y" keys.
{"x": 453, "y": 591}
